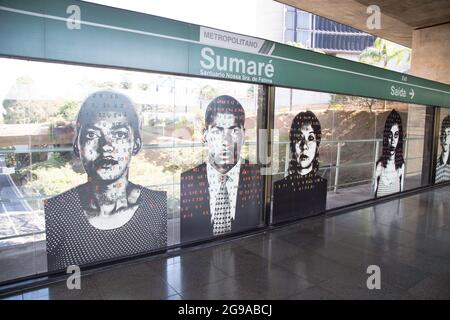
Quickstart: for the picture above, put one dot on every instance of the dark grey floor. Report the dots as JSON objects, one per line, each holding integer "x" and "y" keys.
{"x": 409, "y": 239}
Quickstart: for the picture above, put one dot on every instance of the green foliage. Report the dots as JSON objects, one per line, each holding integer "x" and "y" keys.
{"x": 10, "y": 160}
{"x": 383, "y": 51}
{"x": 24, "y": 80}
{"x": 126, "y": 84}
{"x": 107, "y": 85}
{"x": 28, "y": 111}
{"x": 49, "y": 177}
{"x": 251, "y": 91}
{"x": 301, "y": 46}
{"x": 69, "y": 111}
{"x": 339, "y": 102}
{"x": 33, "y": 111}
{"x": 144, "y": 86}
{"x": 48, "y": 180}
{"x": 207, "y": 92}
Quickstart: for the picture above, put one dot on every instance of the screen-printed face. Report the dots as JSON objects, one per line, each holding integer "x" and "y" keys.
{"x": 224, "y": 138}
{"x": 106, "y": 143}
{"x": 306, "y": 147}
{"x": 393, "y": 136}
{"x": 445, "y": 139}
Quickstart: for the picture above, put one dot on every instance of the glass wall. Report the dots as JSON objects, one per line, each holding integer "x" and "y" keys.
{"x": 98, "y": 164}
{"x": 443, "y": 161}
{"x": 334, "y": 150}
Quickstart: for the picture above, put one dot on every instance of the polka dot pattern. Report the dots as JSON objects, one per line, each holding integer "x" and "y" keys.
{"x": 222, "y": 219}
{"x": 71, "y": 239}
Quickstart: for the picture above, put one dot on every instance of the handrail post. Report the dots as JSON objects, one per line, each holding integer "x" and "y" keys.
{"x": 287, "y": 160}
{"x": 338, "y": 163}
{"x": 405, "y": 157}
{"x": 375, "y": 158}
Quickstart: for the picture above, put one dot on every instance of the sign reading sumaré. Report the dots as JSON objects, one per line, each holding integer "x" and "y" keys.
{"x": 241, "y": 57}
{"x": 216, "y": 65}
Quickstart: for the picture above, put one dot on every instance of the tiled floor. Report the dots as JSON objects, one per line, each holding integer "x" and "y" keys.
{"x": 409, "y": 239}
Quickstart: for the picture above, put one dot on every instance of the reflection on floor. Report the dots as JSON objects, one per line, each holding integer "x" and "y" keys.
{"x": 326, "y": 258}
{"x": 362, "y": 192}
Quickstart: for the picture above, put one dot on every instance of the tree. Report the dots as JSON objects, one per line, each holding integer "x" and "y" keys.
{"x": 28, "y": 111}
{"x": 69, "y": 110}
{"x": 339, "y": 101}
{"x": 301, "y": 46}
{"x": 107, "y": 85}
{"x": 24, "y": 110}
{"x": 144, "y": 86}
{"x": 126, "y": 84}
{"x": 207, "y": 93}
{"x": 383, "y": 52}
{"x": 251, "y": 91}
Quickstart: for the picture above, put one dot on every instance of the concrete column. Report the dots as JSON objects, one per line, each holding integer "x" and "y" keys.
{"x": 431, "y": 60}
{"x": 431, "y": 53}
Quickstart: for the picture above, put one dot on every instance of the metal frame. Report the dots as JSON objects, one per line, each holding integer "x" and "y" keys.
{"x": 435, "y": 143}
{"x": 266, "y": 121}
{"x": 268, "y": 178}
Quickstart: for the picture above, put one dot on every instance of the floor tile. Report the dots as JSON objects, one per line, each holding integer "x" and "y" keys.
{"x": 321, "y": 258}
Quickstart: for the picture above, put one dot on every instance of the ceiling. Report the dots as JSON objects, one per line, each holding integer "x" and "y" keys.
{"x": 398, "y": 17}
{"x": 414, "y": 13}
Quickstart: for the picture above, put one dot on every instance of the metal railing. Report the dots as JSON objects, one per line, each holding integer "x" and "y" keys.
{"x": 337, "y": 163}
{"x": 333, "y": 165}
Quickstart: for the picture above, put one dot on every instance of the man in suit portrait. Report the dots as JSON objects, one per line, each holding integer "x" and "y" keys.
{"x": 223, "y": 194}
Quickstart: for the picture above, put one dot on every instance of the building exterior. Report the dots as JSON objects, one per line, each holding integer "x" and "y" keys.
{"x": 319, "y": 33}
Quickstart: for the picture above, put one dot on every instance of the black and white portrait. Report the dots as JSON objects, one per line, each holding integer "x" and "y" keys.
{"x": 223, "y": 194}
{"x": 302, "y": 192}
{"x": 390, "y": 168}
{"x": 443, "y": 163}
{"x": 108, "y": 216}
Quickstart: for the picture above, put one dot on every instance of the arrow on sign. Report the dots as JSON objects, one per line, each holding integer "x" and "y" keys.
{"x": 411, "y": 93}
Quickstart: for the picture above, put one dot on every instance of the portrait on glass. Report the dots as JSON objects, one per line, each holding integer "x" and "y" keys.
{"x": 443, "y": 163}
{"x": 108, "y": 216}
{"x": 303, "y": 192}
{"x": 224, "y": 193}
{"x": 390, "y": 167}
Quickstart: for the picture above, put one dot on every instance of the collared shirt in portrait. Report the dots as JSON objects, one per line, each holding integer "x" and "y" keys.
{"x": 232, "y": 185}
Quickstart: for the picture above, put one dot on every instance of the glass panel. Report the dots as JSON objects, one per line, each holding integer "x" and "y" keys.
{"x": 443, "y": 159}
{"x": 92, "y": 162}
{"x": 304, "y": 37}
{"x": 290, "y": 20}
{"x": 289, "y": 35}
{"x": 304, "y": 20}
{"x": 367, "y": 147}
{"x": 303, "y": 123}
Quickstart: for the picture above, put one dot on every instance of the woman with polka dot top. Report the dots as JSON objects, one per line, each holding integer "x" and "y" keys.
{"x": 108, "y": 216}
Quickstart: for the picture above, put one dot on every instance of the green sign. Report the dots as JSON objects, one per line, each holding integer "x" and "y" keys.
{"x": 85, "y": 33}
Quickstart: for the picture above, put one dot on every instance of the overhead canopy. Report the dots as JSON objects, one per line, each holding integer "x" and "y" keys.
{"x": 112, "y": 37}
{"x": 399, "y": 18}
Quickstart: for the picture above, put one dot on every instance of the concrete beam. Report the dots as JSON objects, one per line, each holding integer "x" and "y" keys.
{"x": 430, "y": 50}
{"x": 354, "y": 14}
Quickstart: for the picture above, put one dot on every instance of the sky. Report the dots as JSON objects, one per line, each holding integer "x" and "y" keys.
{"x": 248, "y": 17}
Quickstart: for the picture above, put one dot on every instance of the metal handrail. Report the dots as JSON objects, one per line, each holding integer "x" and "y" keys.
{"x": 336, "y": 166}
{"x": 180, "y": 145}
